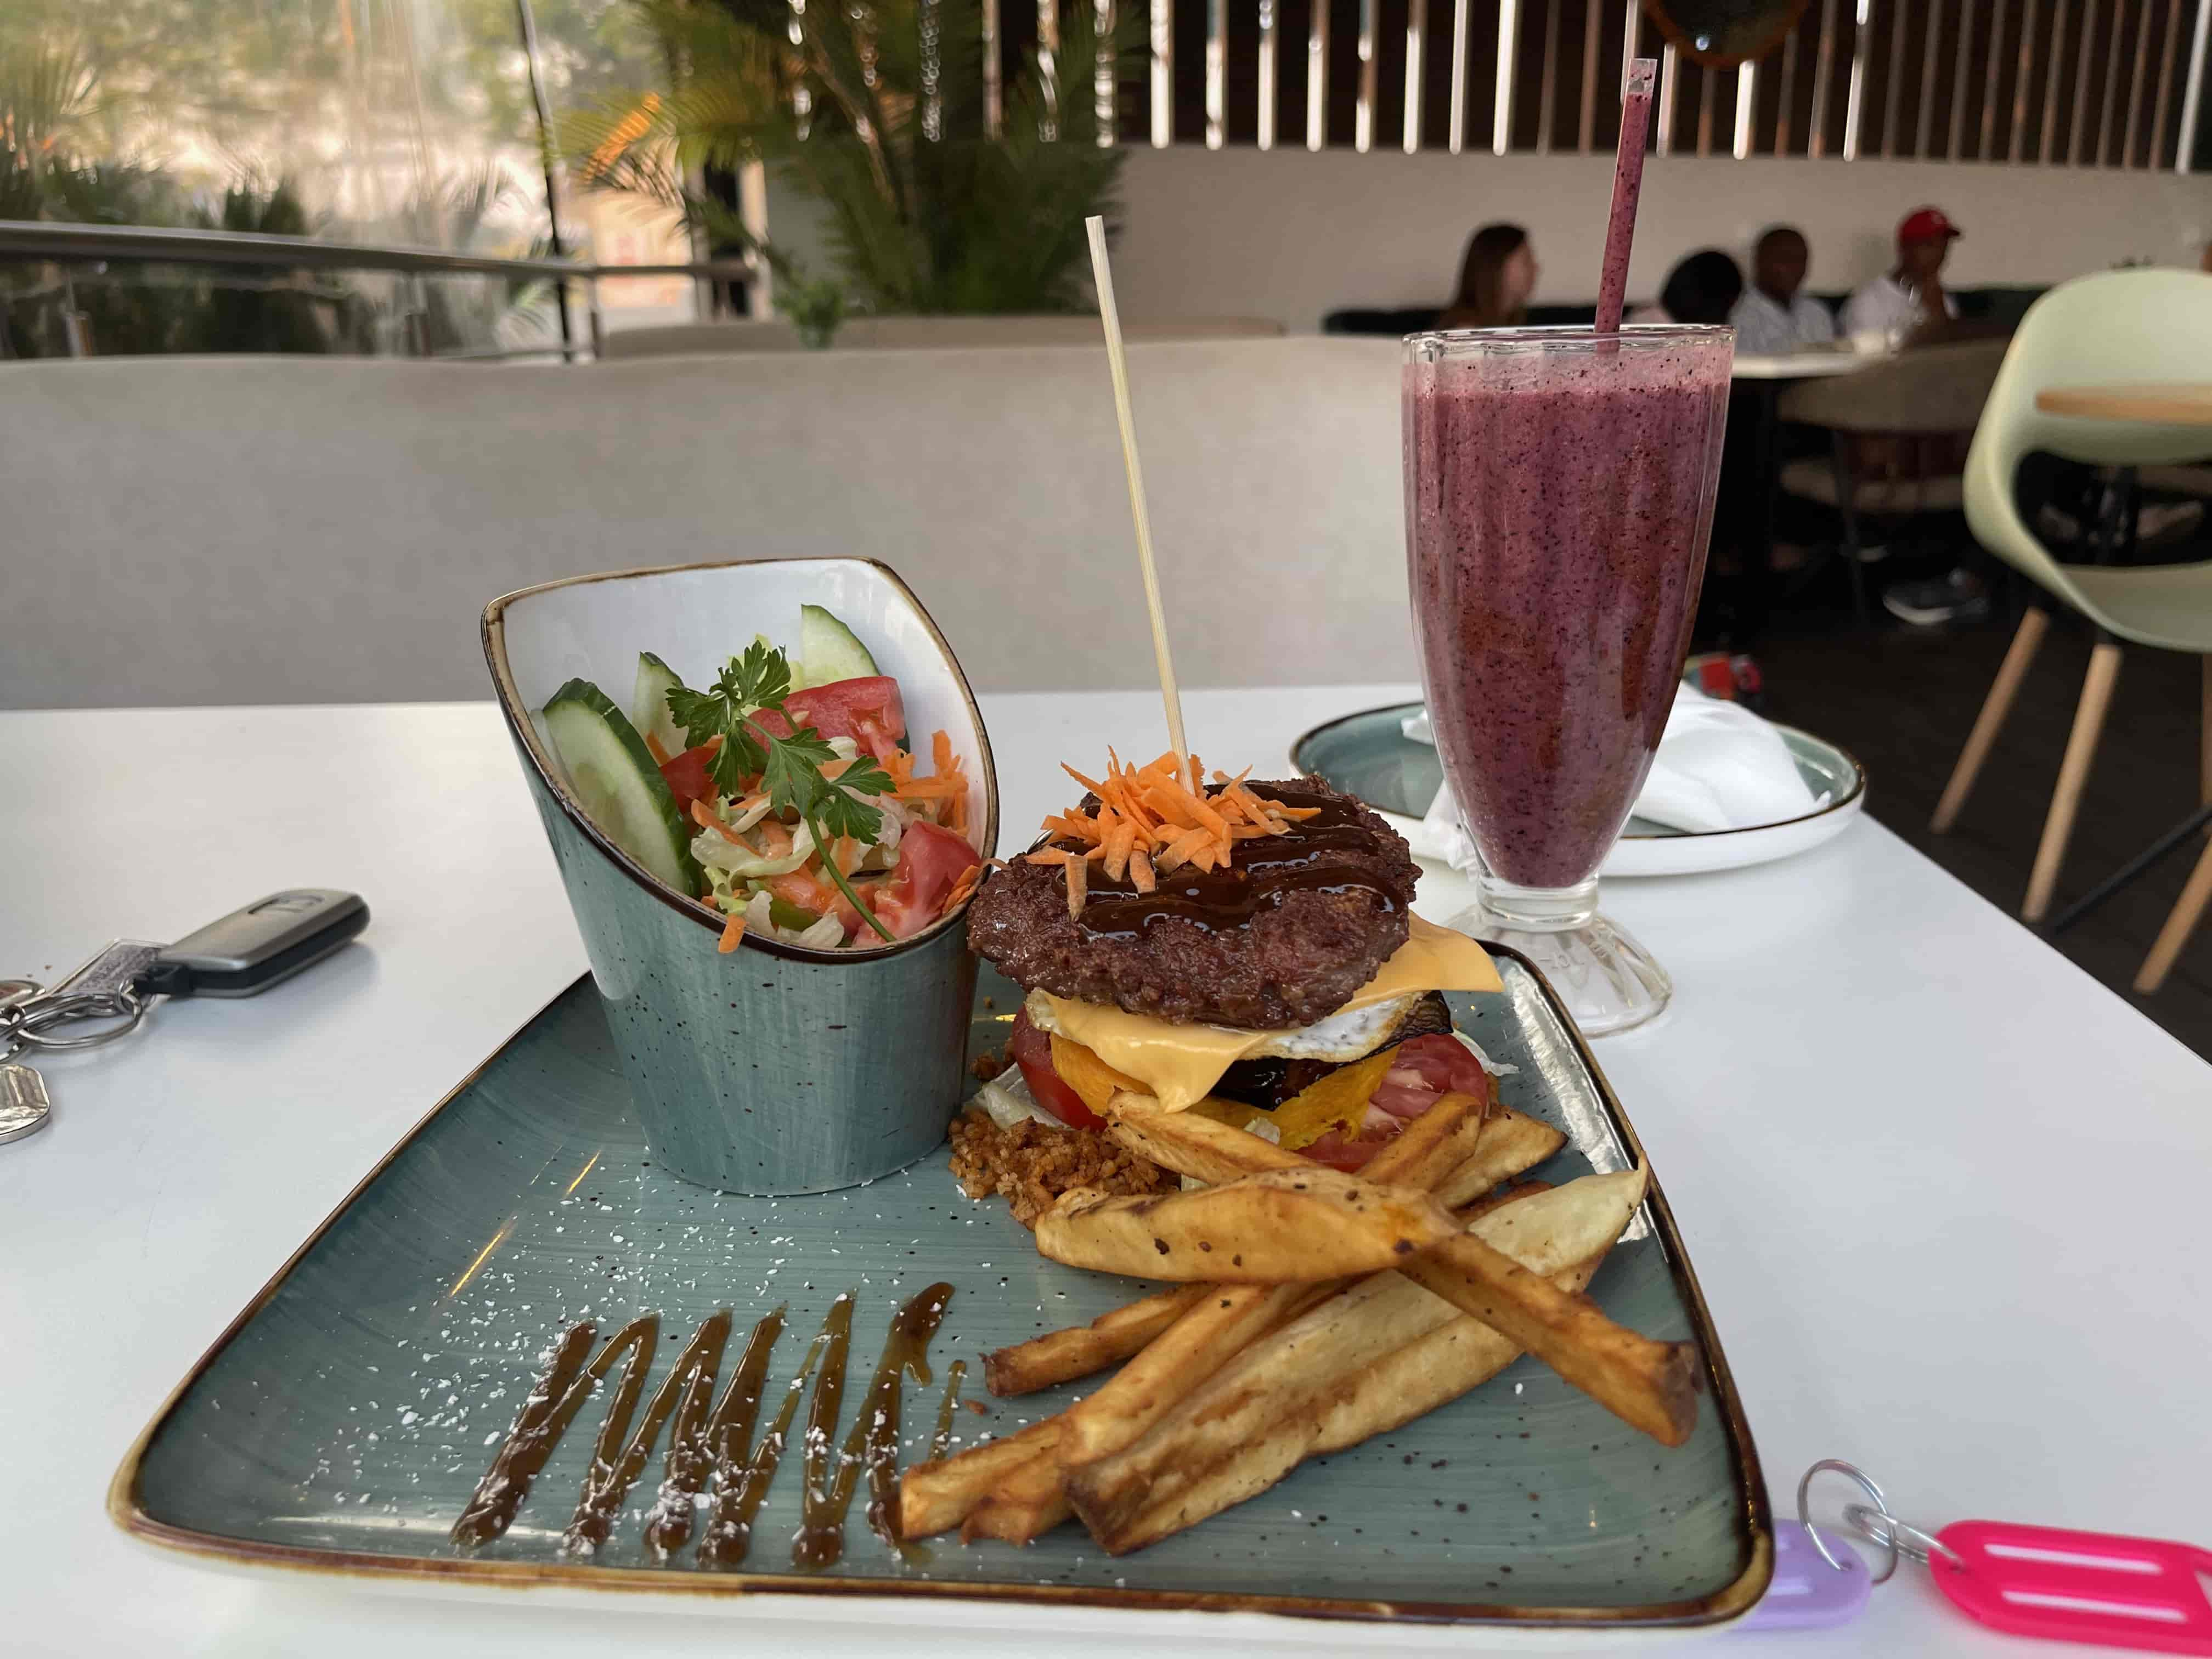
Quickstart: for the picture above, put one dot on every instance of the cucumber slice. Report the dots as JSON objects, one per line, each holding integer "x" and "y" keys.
{"x": 829, "y": 650}
{"x": 612, "y": 775}
{"x": 797, "y": 669}
{"x": 649, "y": 703}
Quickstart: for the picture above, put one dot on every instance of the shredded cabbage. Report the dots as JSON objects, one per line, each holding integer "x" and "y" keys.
{"x": 717, "y": 852}
{"x": 1495, "y": 1067}
{"x": 1006, "y": 1100}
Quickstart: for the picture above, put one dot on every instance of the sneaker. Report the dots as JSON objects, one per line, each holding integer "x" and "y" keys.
{"x": 2165, "y": 522}
{"x": 1959, "y": 597}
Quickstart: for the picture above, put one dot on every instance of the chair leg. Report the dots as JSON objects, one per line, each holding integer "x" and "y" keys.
{"x": 2073, "y": 775}
{"x": 2204, "y": 739}
{"x": 1995, "y": 707}
{"x": 2188, "y": 911}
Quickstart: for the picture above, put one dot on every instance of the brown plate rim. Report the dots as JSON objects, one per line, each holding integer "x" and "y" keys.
{"x": 1858, "y": 772}
{"x": 1731, "y": 1601}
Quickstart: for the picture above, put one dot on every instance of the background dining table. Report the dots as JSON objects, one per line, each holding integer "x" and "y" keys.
{"x": 1945, "y": 1193}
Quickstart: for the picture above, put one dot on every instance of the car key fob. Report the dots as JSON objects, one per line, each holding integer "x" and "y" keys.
{"x": 251, "y": 949}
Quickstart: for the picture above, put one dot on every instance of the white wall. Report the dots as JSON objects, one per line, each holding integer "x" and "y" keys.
{"x": 1290, "y": 234}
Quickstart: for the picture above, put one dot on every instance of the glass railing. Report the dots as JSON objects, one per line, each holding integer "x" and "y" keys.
{"x": 77, "y": 290}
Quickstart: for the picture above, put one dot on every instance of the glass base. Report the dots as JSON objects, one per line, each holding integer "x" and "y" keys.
{"x": 1606, "y": 980}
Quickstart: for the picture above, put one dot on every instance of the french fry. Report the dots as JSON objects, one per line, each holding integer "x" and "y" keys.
{"x": 1027, "y": 1502}
{"x": 1278, "y": 1227}
{"x": 1314, "y": 1382}
{"x": 936, "y": 1498}
{"x": 1190, "y": 1145}
{"x": 1233, "y": 1316}
{"x": 1511, "y": 1145}
{"x": 1062, "y": 1356}
{"x": 1430, "y": 1372}
{"x": 1651, "y": 1386}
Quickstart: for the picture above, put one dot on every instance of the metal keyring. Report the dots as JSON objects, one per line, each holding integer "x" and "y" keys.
{"x": 1899, "y": 1536}
{"x": 1865, "y": 1482}
{"x": 70, "y": 1007}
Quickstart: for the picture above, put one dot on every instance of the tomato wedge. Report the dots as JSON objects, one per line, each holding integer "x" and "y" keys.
{"x": 688, "y": 779}
{"x": 930, "y": 862}
{"x": 868, "y": 710}
{"x": 1031, "y": 1050}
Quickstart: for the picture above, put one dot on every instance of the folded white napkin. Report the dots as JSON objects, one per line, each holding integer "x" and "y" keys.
{"x": 1719, "y": 767}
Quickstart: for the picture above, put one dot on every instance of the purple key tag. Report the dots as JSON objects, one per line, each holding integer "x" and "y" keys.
{"x": 1807, "y": 1593}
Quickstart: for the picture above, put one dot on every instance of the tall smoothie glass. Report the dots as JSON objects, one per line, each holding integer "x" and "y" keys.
{"x": 1559, "y": 493}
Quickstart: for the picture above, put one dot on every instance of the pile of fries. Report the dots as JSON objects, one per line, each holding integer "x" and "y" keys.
{"x": 1316, "y": 1308}
{"x": 1154, "y": 819}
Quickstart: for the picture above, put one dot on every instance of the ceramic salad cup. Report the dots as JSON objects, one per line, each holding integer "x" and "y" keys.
{"x": 776, "y": 1069}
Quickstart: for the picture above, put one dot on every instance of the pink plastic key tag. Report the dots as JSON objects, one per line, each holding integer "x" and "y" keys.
{"x": 2064, "y": 1586}
{"x": 2068, "y": 1586}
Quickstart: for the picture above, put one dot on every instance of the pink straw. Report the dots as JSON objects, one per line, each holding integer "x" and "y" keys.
{"x": 1627, "y": 186}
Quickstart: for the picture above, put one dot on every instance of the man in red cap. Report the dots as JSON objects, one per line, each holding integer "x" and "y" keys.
{"x": 1912, "y": 295}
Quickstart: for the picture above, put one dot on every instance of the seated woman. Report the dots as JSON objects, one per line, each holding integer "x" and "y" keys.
{"x": 1496, "y": 277}
{"x": 1702, "y": 289}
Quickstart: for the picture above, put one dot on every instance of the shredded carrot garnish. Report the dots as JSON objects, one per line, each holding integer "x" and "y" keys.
{"x": 1200, "y": 813}
{"x": 656, "y": 749}
{"x": 940, "y": 751}
{"x": 1096, "y": 788}
{"x": 1120, "y": 843}
{"x": 968, "y": 884}
{"x": 1155, "y": 818}
{"x": 733, "y": 930}
{"x": 1185, "y": 847}
{"x": 1078, "y": 884}
{"x": 703, "y": 816}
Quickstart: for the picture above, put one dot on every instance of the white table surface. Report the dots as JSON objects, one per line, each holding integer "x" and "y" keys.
{"x": 1944, "y": 1192}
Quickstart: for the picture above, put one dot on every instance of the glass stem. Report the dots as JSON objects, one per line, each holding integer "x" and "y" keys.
{"x": 1538, "y": 910}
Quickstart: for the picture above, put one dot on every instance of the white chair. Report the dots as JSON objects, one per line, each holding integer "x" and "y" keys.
{"x": 2119, "y": 326}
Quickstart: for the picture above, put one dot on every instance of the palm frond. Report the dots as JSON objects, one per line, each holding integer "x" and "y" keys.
{"x": 927, "y": 212}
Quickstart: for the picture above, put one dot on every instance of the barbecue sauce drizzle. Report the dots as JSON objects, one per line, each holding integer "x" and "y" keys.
{"x": 718, "y": 1442}
{"x": 1260, "y": 872}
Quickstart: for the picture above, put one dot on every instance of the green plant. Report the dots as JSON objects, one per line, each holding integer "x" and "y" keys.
{"x": 876, "y": 107}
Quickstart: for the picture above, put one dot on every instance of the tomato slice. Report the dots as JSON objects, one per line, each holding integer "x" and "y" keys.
{"x": 1427, "y": 1067}
{"x": 688, "y": 779}
{"x": 1341, "y": 1151}
{"x": 930, "y": 862}
{"x": 1031, "y": 1050}
{"x": 868, "y": 710}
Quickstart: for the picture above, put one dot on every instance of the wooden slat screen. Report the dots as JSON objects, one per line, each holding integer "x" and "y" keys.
{"x": 2112, "y": 83}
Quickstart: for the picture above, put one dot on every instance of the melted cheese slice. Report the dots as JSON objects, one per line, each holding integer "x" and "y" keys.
{"x": 1181, "y": 1063}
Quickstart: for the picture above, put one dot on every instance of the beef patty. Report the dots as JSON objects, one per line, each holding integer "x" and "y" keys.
{"x": 1312, "y": 937}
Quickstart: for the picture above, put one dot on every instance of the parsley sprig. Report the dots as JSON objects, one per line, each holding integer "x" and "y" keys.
{"x": 790, "y": 768}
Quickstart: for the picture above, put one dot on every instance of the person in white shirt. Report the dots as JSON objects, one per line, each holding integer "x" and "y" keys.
{"x": 1912, "y": 295}
{"x": 1775, "y": 316}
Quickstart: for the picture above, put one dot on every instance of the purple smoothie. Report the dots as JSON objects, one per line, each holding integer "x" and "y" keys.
{"x": 1559, "y": 493}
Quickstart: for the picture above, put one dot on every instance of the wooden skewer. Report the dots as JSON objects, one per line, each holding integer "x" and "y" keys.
{"x": 1102, "y": 274}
